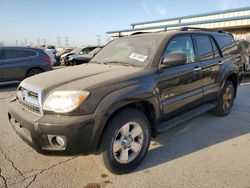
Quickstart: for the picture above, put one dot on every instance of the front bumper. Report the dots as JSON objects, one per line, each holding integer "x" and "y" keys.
{"x": 37, "y": 131}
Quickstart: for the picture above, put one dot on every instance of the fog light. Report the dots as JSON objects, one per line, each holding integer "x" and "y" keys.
{"x": 57, "y": 141}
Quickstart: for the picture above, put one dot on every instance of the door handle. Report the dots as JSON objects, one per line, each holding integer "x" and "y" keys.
{"x": 197, "y": 69}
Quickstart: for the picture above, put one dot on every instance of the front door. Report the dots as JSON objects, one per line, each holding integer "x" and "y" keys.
{"x": 180, "y": 87}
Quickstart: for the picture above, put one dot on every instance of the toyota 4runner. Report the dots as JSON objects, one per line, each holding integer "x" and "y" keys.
{"x": 136, "y": 87}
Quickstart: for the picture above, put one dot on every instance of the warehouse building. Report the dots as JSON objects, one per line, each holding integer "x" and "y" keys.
{"x": 236, "y": 21}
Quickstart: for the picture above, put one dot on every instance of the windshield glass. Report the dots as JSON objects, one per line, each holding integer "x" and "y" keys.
{"x": 134, "y": 51}
{"x": 76, "y": 50}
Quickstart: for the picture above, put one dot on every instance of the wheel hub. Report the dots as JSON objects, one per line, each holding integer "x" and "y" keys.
{"x": 127, "y": 141}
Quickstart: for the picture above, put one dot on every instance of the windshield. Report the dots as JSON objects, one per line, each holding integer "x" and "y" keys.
{"x": 134, "y": 51}
{"x": 76, "y": 50}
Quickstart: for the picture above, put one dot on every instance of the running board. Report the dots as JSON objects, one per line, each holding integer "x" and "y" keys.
{"x": 166, "y": 125}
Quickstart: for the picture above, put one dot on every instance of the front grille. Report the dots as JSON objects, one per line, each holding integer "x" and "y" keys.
{"x": 29, "y": 99}
{"x": 30, "y": 106}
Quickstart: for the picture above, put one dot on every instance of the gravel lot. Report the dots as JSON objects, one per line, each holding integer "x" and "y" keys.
{"x": 207, "y": 151}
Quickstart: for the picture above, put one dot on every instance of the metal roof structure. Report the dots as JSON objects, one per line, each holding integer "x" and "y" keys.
{"x": 226, "y": 19}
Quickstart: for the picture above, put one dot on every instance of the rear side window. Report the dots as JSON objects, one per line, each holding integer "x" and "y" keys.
{"x": 205, "y": 49}
{"x": 227, "y": 44}
{"x": 215, "y": 48}
{"x": 181, "y": 44}
{"x": 15, "y": 54}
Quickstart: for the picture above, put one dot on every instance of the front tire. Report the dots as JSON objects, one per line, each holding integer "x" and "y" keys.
{"x": 225, "y": 100}
{"x": 125, "y": 141}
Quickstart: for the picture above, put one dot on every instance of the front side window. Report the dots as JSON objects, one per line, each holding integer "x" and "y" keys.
{"x": 204, "y": 46}
{"x": 181, "y": 44}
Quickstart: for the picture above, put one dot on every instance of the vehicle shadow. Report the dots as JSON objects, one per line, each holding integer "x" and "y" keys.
{"x": 8, "y": 88}
{"x": 194, "y": 135}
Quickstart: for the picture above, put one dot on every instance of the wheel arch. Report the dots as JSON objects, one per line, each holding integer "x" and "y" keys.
{"x": 145, "y": 102}
{"x": 30, "y": 69}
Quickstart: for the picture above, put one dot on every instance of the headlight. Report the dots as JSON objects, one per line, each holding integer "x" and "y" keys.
{"x": 65, "y": 101}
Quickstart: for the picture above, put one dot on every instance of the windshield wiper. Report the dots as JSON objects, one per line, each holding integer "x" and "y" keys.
{"x": 118, "y": 63}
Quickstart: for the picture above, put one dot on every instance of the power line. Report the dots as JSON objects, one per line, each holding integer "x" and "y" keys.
{"x": 44, "y": 42}
{"x": 98, "y": 39}
{"x": 25, "y": 42}
{"x": 66, "y": 41}
{"x": 59, "y": 42}
{"x": 38, "y": 42}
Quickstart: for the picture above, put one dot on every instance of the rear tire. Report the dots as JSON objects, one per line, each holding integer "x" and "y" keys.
{"x": 225, "y": 100}
{"x": 33, "y": 72}
{"x": 125, "y": 142}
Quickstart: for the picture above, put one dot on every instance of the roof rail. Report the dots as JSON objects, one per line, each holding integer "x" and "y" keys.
{"x": 202, "y": 29}
{"x": 141, "y": 32}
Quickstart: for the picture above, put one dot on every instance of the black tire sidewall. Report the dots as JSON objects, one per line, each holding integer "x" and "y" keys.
{"x": 220, "y": 102}
{"x": 128, "y": 115}
{"x": 30, "y": 73}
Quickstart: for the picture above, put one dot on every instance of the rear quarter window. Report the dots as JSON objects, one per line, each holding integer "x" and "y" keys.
{"x": 227, "y": 44}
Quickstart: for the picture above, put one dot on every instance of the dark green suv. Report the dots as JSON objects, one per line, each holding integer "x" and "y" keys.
{"x": 136, "y": 87}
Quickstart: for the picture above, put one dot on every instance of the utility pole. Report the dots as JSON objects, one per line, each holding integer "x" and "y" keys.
{"x": 16, "y": 42}
{"x": 59, "y": 42}
{"x": 66, "y": 42}
{"x": 108, "y": 39}
{"x": 38, "y": 42}
{"x": 25, "y": 42}
{"x": 98, "y": 39}
{"x": 44, "y": 42}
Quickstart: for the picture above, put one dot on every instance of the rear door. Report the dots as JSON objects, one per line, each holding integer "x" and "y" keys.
{"x": 16, "y": 63}
{"x": 209, "y": 58}
{"x": 180, "y": 86}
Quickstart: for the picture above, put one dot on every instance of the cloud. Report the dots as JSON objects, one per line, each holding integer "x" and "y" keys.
{"x": 160, "y": 10}
{"x": 230, "y": 4}
{"x": 146, "y": 9}
{"x": 154, "y": 9}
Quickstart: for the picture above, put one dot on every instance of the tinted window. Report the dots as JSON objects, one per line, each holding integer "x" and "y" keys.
{"x": 14, "y": 54}
{"x": 215, "y": 48}
{"x": 1, "y": 55}
{"x": 205, "y": 50}
{"x": 226, "y": 44}
{"x": 181, "y": 44}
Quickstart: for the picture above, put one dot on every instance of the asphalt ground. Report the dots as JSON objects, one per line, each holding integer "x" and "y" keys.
{"x": 207, "y": 151}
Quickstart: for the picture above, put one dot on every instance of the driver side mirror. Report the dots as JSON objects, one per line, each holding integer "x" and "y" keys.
{"x": 175, "y": 59}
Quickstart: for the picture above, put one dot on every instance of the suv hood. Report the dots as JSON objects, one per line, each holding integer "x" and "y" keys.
{"x": 79, "y": 77}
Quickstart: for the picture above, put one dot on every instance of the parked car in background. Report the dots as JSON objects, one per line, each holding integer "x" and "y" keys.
{"x": 78, "y": 51}
{"x": 18, "y": 63}
{"x": 80, "y": 59}
{"x": 60, "y": 53}
{"x": 245, "y": 52}
{"x": 51, "y": 54}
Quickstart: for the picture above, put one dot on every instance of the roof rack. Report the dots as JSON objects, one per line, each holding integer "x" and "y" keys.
{"x": 141, "y": 32}
{"x": 202, "y": 29}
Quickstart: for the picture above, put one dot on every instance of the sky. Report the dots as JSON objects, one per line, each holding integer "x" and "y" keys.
{"x": 32, "y": 21}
